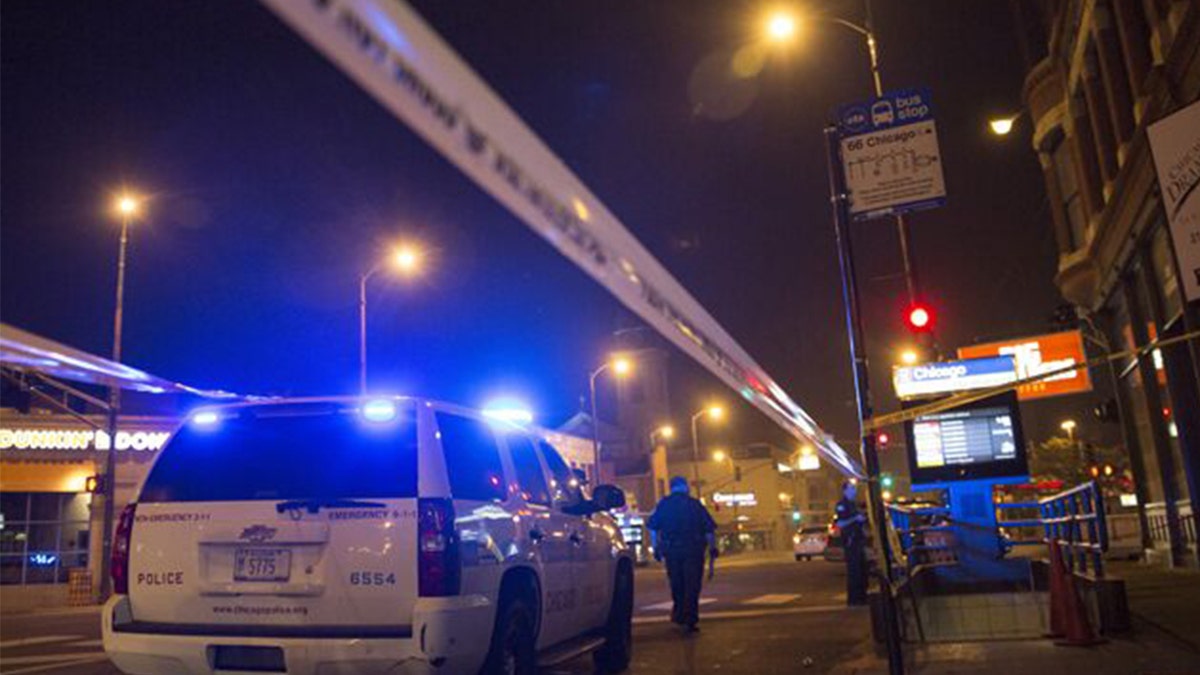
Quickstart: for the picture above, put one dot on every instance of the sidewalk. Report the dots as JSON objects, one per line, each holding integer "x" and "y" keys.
{"x": 1165, "y": 638}
{"x": 1150, "y": 652}
{"x": 1167, "y": 599}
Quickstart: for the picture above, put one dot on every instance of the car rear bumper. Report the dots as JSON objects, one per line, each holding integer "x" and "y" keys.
{"x": 449, "y": 635}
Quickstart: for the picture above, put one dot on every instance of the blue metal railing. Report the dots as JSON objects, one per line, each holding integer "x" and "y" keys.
{"x": 1075, "y": 520}
{"x": 925, "y": 534}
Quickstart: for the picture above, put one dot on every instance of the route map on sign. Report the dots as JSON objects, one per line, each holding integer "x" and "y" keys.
{"x": 890, "y": 154}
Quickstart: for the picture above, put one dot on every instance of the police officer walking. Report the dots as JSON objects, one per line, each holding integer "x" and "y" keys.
{"x": 851, "y": 523}
{"x": 682, "y": 530}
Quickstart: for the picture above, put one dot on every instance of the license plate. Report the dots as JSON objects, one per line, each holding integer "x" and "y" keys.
{"x": 262, "y": 564}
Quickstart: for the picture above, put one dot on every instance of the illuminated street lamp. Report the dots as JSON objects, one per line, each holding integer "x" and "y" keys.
{"x": 666, "y": 432}
{"x": 781, "y": 27}
{"x": 1002, "y": 126}
{"x": 714, "y": 413}
{"x": 1069, "y": 427}
{"x": 719, "y": 456}
{"x": 405, "y": 260}
{"x": 621, "y": 366}
{"x": 909, "y": 357}
{"x": 127, "y": 206}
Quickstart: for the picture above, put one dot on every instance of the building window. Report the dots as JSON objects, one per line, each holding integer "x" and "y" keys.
{"x": 42, "y": 536}
{"x": 1164, "y": 273}
{"x": 1068, "y": 187}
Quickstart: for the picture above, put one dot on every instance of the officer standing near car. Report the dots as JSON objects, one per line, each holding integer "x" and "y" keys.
{"x": 682, "y": 530}
{"x": 851, "y": 523}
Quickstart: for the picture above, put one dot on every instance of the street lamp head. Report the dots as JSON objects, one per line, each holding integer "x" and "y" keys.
{"x": 781, "y": 27}
{"x": 716, "y": 412}
{"x": 1002, "y": 126}
{"x": 1068, "y": 425}
{"x": 127, "y": 205}
{"x": 719, "y": 456}
{"x": 407, "y": 259}
{"x": 909, "y": 357}
{"x": 666, "y": 431}
{"x": 622, "y": 366}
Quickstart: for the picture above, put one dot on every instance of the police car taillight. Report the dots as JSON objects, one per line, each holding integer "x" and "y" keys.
{"x": 439, "y": 568}
{"x": 120, "y": 550}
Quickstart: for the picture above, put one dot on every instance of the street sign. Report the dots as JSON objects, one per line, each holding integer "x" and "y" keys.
{"x": 1041, "y": 354}
{"x": 946, "y": 377}
{"x": 890, "y": 154}
{"x": 1175, "y": 144}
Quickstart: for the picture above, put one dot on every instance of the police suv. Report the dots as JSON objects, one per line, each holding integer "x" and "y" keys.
{"x": 364, "y": 535}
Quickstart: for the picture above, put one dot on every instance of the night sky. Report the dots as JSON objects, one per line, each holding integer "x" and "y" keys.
{"x": 273, "y": 182}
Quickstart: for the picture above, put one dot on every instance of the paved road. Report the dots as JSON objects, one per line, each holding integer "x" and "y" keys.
{"x": 761, "y": 614}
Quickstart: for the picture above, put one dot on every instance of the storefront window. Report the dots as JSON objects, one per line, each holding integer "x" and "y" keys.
{"x": 42, "y": 536}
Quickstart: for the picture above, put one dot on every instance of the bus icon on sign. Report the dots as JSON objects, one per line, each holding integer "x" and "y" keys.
{"x": 882, "y": 113}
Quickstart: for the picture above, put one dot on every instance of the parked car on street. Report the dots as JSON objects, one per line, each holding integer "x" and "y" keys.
{"x": 809, "y": 542}
{"x": 365, "y": 535}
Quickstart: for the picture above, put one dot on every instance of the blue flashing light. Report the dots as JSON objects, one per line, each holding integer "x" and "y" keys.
{"x": 205, "y": 418}
{"x": 507, "y": 411}
{"x": 380, "y": 410}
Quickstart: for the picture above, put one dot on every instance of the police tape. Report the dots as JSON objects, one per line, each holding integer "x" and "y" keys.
{"x": 385, "y": 47}
{"x": 964, "y": 398}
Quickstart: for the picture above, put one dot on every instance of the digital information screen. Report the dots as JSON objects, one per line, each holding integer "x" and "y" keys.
{"x": 980, "y": 440}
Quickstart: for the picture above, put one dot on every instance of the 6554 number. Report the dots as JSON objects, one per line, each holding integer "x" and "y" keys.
{"x": 372, "y": 579}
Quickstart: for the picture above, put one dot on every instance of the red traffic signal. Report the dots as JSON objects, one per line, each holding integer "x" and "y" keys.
{"x": 919, "y": 318}
{"x": 881, "y": 439}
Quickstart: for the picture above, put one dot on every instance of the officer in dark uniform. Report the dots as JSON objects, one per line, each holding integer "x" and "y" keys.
{"x": 852, "y": 523}
{"x": 682, "y": 530}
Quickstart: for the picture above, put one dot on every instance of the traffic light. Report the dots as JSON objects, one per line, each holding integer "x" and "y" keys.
{"x": 886, "y": 481}
{"x": 881, "y": 440}
{"x": 918, "y": 317}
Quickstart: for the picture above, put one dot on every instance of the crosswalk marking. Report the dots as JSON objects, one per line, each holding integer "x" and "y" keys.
{"x": 50, "y": 658}
{"x": 74, "y": 661}
{"x": 87, "y": 643}
{"x": 773, "y": 599}
{"x": 41, "y": 640}
{"x": 666, "y": 606}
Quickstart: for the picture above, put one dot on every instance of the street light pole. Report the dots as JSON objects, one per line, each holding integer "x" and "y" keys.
{"x": 595, "y": 419}
{"x": 127, "y": 206}
{"x": 855, "y": 335}
{"x": 407, "y": 260}
{"x": 714, "y": 412}
{"x": 362, "y": 328}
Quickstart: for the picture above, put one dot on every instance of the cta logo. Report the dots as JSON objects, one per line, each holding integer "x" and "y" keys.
{"x": 855, "y": 118}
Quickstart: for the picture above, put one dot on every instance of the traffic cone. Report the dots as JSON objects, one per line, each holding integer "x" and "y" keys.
{"x": 1068, "y": 615}
{"x": 1058, "y": 592}
{"x": 1079, "y": 631}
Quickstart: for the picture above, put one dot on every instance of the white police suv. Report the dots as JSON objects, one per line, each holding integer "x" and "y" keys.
{"x": 364, "y": 535}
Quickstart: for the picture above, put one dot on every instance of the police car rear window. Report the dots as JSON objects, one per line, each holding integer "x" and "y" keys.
{"x": 325, "y": 453}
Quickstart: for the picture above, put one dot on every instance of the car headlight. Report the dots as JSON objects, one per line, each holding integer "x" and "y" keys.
{"x": 795, "y": 539}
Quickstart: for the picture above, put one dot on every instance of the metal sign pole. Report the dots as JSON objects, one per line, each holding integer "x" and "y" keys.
{"x": 854, "y": 333}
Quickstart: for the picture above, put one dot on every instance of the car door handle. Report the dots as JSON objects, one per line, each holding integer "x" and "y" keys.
{"x": 575, "y": 538}
{"x": 536, "y": 535}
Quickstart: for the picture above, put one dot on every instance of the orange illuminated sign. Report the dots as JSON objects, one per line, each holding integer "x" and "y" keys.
{"x": 1041, "y": 354}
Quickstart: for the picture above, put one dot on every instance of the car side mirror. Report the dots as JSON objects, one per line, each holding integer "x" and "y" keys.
{"x": 607, "y": 497}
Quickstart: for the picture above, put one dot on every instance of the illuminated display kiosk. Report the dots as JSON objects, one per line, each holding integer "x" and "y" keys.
{"x": 967, "y": 451}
